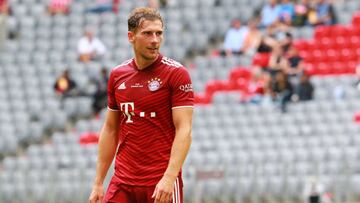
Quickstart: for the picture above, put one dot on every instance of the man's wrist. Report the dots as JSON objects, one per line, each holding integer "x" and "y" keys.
{"x": 170, "y": 176}
{"x": 98, "y": 182}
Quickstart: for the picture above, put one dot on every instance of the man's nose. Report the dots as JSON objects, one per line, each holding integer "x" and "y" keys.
{"x": 155, "y": 38}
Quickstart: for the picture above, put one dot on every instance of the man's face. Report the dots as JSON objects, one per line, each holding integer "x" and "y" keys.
{"x": 89, "y": 35}
{"x": 272, "y": 2}
{"x": 147, "y": 38}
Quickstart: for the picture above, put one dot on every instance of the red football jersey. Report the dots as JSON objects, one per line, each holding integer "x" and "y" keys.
{"x": 146, "y": 99}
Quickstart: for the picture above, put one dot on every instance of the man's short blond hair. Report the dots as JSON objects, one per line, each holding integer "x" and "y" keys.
{"x": 140, "y": 14}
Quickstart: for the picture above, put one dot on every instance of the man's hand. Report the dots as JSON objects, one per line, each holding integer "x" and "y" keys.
{"x": 164, "y": 190}
{"x": 97, "y": 194}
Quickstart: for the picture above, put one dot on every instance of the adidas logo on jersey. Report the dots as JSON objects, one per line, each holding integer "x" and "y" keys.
{"x": 122, "y": 86}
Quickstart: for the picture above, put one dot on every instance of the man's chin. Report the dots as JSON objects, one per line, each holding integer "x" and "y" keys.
{"x": 151, "y": 56}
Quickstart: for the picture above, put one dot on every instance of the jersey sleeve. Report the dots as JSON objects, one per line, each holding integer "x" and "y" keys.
{"x": 181, "y": 89}
{"x": 112, "y": 105}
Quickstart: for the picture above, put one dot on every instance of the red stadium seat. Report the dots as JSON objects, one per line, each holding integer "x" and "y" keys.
{"x": 309, "y": 69}
{"x": 301, "y": 45}
{"x": 216, "y": 85}
{"x": 338, "y": 68}
{"x": 356, "y": 19}
{"x": 239, "y": 84}
{"x": 261, "y": 59}
{"x": 240, "y": 72}
{"x": 332, "y": 55}
{"x": 89, "y": 138}
{"x": 319, "y": 56}
{"x": 312, "y": 45}
{"x": 354, "y": 43}
{"x": 351, "y": 67}
{"x": 357, "y": 52}
{"x": 341, "y": 42}
{"x": 347, "y": 55}
{"x": 325, "y": 43}
{"x": 340, "y": 31}
{"x": 322, "y": 32}
{"x": 355, "y": 31}
{"x": 357, "y": 117}
{"x": 323, "y": 68}
{"x": 201, "y": 98}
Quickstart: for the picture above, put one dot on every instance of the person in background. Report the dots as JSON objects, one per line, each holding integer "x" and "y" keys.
{"x": 4, "y": 12}
{"x": 313, "y": 191}
{"x": 281, "y": 90}
{"x": 65, "y": 86}
{"x": 295, "y": 66}
{"x": 4, "y": 7}
{"x": 325, "y": 13}
{"x": 287, "y": 12}
{"x": 268, "y": 40}
{"x": 256, "y": 86}
{"x": 100, "y": 94}
{"x": 252, "y": 39}
{"x": 234, "y": 39}
{"x": 90, "y": 47}
{"x": 59, "y": 7}
{"x": 270, "y": 13}
{"x": 283, "y": 36}
{"x": 304, "y": 91}
{"x": 102, "y": 6}
{"x": 301, "y": 13}
{"x": 277, "y": 61}
{"x": 357, "y": 71}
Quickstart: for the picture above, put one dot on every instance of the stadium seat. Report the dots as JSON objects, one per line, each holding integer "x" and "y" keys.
{"x": 261, "y": 59}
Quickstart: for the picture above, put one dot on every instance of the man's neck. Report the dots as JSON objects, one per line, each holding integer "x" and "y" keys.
{"x": 143, "y": 63}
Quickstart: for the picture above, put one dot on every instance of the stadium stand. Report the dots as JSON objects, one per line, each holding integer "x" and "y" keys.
{"x": 240, "y": 152}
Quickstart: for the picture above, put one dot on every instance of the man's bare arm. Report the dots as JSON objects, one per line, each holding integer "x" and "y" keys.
{"x": 182, "y": 118}
{"x": 108, "y": 142}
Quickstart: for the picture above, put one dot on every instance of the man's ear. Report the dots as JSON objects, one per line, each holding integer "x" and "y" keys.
{"x": 131, "y": 36}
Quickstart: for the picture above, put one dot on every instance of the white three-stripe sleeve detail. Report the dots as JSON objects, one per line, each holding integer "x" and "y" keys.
{"x": 178, "y": 190}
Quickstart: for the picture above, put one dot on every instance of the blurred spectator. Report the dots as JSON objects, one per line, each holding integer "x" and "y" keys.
{"x": 283, "y": 36}
{"x": 301, "y": 13}
{"x": 313, "y": 191}
{"x": 321, "y": 12}
{"x": 100, "y": 95}
{"x": 102, "y": 6}
{"x": 295, "y": 66}
{"x": 357, "y": 83}
{"x": 252, "y": 39}
{"x": 153, "y": 4}
{"x": 234, "y": 38}
{"x": 256, "y": 85}
{"x": 90, "y": 47}
{"x": 287, "y": 12}
{"x": 157, "y": 3}
{"x": 325, "y": 13}
{"x": 281, "y": 90}
{"x": 59, "y": 7}
{"x": 270, "y": 13}
{"x": 4, "y": 7}
{"x": 65, "y": 86}
{"x": 268, "y": 40}
{"x": 277, "y": 62}
{"x": 4, "y": 11}
{"x": 304, "y": 91}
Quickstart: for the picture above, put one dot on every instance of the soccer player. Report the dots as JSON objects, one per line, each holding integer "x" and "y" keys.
{"x": 149, "y": 120}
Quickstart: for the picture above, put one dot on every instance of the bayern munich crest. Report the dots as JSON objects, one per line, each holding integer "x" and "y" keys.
{"x": 154, "y": 84}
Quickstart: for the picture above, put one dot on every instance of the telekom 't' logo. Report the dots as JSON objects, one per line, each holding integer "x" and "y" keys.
{"x": 128, "y": 111}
